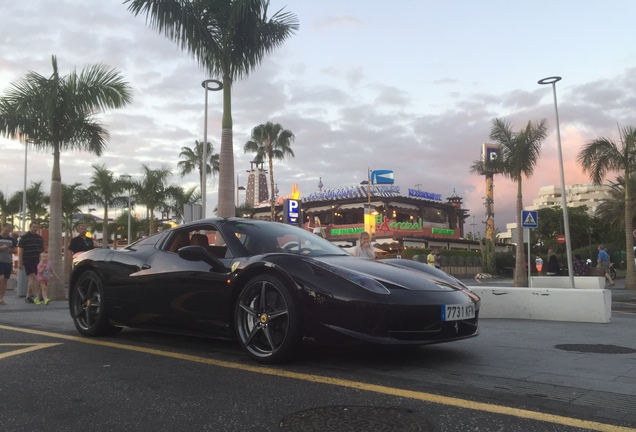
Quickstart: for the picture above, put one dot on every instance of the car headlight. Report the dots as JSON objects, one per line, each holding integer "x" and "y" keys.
{"x": 363, "y": 281}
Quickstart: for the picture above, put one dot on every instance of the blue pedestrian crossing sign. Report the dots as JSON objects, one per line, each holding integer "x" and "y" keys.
{"x": 529, "y": 219}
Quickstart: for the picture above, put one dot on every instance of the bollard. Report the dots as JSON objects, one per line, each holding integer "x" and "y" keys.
{"x": 23, "y": 283}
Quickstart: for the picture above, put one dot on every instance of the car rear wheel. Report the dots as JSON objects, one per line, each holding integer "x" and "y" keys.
{"x": 88, "y": 309}
{"x": 267, "y": 323}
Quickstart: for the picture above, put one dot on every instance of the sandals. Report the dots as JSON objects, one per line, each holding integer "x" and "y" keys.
{"x": 2, "y": 303}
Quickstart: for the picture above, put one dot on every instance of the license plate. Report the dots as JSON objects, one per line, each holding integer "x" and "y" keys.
{"x": 458, "y": 312}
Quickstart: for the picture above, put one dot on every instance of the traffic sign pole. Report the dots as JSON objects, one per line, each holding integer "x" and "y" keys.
{"x": 529, "y": 219}
{"x": 529, "y": 262}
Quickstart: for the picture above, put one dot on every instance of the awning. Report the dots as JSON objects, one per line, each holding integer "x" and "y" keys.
{"x": 403, "y": 206}
{"x": 359, "y": 205}
{"x": 351, "y": 206}
{"x": 319, "y": 209}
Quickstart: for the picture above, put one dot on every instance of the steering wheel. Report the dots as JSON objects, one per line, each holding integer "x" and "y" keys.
{"x": 291, "y": 245}
{"x": 295, "y": 247}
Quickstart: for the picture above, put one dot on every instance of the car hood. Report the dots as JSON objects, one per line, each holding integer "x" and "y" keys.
{"x": 388, "y": 274}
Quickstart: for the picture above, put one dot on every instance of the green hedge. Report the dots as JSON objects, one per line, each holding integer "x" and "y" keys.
{"x": 504, "y": 261}
{"x": 450, "y": 256}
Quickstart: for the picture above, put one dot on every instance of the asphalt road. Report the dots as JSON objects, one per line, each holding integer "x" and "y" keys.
{"x": 516, "y": 376}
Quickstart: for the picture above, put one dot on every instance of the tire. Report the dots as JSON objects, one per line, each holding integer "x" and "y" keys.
{"x": 266, "y": 320}
{"x": 612, "y": 272}
{"x": 88, "y": 309}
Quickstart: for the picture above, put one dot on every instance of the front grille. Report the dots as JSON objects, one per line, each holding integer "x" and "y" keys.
{"x": 438, "y": 332}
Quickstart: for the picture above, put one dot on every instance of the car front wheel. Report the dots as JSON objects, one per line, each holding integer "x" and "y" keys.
{"x": 88, "y": 309}
{"x": 266, "y": 320}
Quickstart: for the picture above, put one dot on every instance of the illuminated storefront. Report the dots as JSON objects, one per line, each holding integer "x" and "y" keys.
{"x": 419, "y": 216}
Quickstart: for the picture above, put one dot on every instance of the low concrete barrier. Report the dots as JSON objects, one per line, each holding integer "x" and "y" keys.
{"x": 583, "y": 282}
{"x": 550, "y": 304}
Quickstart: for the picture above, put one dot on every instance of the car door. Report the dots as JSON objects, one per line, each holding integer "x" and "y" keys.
{"x": 196, "y": 294}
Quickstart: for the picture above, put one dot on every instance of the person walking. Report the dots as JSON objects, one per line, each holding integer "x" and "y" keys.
{"x": 7, "y": 249}
{"x": 580, "y": 269}
{"x": 364, "y": 249}
{"x": 30, "y": 246}
{"x": 438, "y": 260}
{"x": 603, "y": 260}
{"x": 552, "y": 268}
{"x": 81, "y": 243}
{"x": 45, "y": 270}
{"x": 431, "y": 258}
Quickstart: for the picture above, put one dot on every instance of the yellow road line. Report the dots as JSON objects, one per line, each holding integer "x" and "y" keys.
{"x": 30, "y": 347}
{"x": 421, "y": 396}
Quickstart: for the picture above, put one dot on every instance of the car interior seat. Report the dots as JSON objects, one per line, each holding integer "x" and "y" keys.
{"x": 178, "y": 242}
{"x": 199, "y": 240}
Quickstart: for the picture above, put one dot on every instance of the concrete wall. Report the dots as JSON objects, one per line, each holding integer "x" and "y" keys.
{"x": 582, "y": 282}
{"x": 551, "y": 304}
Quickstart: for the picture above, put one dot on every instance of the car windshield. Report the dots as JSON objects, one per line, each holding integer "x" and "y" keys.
{"x": 258, "y": 237}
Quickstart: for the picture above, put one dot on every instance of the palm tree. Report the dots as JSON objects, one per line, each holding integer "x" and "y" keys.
{"x": 7, "y": 209}
{"x": 10, "y": 207}
{"x": 229, "y": 38}
{"x": 192, "y": 158}
{"x": 36, "y": 202}
{"x": 270, "y": 141}
{"x": 121, "y": 224}
{"x": 519, "y": 154}
{"x": 58, "y": 114}
{"x": 611, "y": 210}
{"x": 106, "y": 191}
{"x": 182, "y": 197}
{"x": 3, "y": 208}
{"x": 154, "y": 192}
{"x": 602, "y": 155}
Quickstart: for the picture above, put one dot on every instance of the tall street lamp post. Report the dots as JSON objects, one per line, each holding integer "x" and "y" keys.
{"x": 22, "y": 277}
{"x": 25, "y": 138}
{"x": 206, "y": 85}
{"x": 26, "y": 146}
{"x": 566, "y": 224}
{"x": 128, "y": 178}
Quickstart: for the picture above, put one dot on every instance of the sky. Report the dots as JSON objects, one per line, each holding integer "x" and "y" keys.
{"x": 410, "y": 86}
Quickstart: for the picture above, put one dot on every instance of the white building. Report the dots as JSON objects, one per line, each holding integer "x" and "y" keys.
{"x": 577, "y": 195}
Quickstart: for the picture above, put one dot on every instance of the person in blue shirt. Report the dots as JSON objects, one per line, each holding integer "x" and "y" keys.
{"x": 603, "y": 260}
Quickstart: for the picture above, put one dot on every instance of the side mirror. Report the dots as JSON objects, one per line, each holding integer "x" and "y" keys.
{"x": 199, "y": 253}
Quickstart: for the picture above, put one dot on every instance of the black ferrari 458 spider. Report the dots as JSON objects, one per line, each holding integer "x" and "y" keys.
{"x": 267, "y": 285}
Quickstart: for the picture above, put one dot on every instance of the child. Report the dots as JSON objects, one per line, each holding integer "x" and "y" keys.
{"x": 45, "y": 269}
